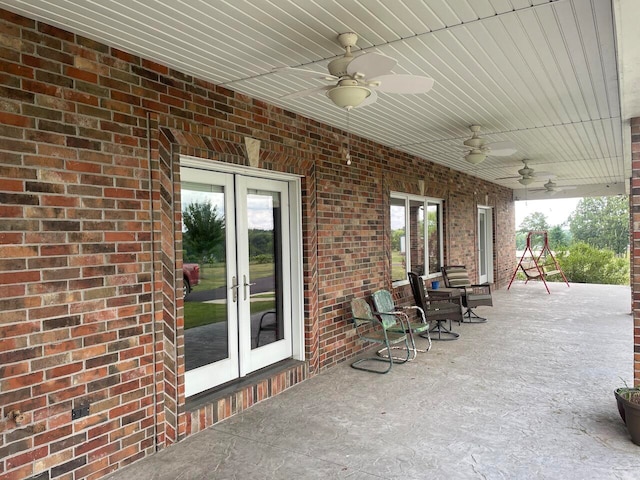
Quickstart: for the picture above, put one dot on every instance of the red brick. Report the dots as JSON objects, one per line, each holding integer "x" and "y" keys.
{"x": 19, "y": 474}
{"x": 17, "y": 120}
{"x": 7, "y": 371}
{"x": 52, "y": 435}
{"x": 23, "y": 458}
{"x": 64, "y": 370}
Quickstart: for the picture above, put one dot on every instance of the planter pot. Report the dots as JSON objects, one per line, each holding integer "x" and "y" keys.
{"x": 630, "y": 414}
{"x": 616, "y": 393}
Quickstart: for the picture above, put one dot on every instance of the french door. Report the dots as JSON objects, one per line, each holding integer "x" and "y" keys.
{"x": 238, "y": 318}
{"x": 485, "y": 245}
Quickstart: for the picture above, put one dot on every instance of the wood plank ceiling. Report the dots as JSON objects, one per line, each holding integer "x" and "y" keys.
{"x": 542, "y": 74}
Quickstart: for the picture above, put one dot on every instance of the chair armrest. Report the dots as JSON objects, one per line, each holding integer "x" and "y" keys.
{"x": 439, "y": 294}
{"x": 402, "y": 316}
{"x": 420, "y": 310}
{"x": 484, "y": 288}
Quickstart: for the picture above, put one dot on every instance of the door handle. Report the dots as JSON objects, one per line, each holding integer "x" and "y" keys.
{"x": 234, "y": 289}
{"x": 244, "y": 279}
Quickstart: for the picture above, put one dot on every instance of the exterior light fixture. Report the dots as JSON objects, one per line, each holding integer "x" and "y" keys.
{"x": 348, "y": 94}
{"x": 526, "y": 181}
{"x": 475, "y": 157}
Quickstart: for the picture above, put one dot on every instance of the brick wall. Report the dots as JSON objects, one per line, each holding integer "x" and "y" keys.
{"x": 91, "y": 139}
{"x": 634, "y": 208}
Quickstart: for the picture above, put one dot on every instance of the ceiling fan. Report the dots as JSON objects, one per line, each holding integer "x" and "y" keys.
{"x": 526, "y": 175}
{"x": 359, "y": 78}
{"x": 552, "y": 188}
{"x": 479, "y": 149}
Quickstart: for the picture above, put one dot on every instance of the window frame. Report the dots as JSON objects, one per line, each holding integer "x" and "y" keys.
{"x": 409, "y": 201}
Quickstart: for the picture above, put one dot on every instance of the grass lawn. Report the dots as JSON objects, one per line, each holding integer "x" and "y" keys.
{"x": 212, "y": 275}
{"x": 398, "y": 271}
{"x": 199, "y": 313}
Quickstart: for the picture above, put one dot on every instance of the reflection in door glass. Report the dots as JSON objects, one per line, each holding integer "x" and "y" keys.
{"x": 205, "y": 306}
{"x": 482, "y": 235}
{"x": 265, "y": 266}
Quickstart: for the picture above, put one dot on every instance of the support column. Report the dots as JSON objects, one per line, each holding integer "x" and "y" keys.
{"x": 634, "y": 204}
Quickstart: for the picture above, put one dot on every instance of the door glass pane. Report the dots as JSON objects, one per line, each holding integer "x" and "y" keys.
{"x": 416, "y": 229}
{"x": 265, "y": 266}
{"x": 205, "y": 306}
{"x": 482, "y": 236}
{"x": 433, "y": 236}
{"x": 398, "y": 240}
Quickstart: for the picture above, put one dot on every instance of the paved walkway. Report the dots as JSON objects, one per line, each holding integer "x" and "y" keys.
{"x": 528, "y": 395}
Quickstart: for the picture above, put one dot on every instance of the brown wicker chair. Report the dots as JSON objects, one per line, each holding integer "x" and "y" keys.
{"x": 439, "y": 311}
{"x": 456, "y": 276}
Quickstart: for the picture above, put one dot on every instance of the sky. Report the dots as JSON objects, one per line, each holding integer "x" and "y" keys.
{"x": 556, "y": 210}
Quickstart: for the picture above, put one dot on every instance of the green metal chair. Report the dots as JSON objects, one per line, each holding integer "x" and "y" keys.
{"x": 386, "y": 309}
{"x": 377, "y": 330}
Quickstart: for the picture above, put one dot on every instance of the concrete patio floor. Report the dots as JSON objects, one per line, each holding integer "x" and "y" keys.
{"x": 528, "y": 395}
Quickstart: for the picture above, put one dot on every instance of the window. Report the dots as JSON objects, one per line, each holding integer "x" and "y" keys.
{"x": 416, "y": 236}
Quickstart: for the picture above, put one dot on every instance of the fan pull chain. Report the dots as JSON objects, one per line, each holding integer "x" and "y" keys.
{"x": 348, "y": 154}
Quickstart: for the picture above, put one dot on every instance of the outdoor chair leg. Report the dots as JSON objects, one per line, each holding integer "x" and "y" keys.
{"x": 412, "y": 351}
{"x": 384, "y": 358}
{"x": 357, "y": 364}
{"x": 472, "y": 317}
{"x": 441, "y": 330}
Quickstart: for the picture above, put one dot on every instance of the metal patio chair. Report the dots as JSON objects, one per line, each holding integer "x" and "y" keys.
{"x": 385, "y": 308}
{"x": 387, "y": 331}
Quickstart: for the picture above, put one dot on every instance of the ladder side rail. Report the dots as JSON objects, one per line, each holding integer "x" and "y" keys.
{"x": 559, "y": 268}
{"x": 515, "y": 271}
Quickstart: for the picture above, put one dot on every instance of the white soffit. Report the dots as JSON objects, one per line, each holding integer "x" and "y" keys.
{"x": 540, "y": 73}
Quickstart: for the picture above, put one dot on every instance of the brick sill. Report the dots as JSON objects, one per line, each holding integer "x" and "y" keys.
{"x": 208, "y": 408}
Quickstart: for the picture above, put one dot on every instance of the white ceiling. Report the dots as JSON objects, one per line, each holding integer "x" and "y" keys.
{"x": 543, "y": 74}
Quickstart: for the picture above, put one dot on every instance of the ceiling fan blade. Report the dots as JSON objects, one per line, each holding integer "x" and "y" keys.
{"x": 508, "y": 178}
{"x": 371, "y": 65}
{"x": 369, "y": 100}
{"x": 304, "y": 73}
{"x": 502, "y": 149}
{"x": 548, "y": 175}
{"x": 307, "y": 92}
{"x": 405, "y": 84}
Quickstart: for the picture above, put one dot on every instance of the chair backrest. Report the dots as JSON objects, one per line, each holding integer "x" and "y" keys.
{"x": 383, "y": 302}
{"x": 455, "y": 276}
{"x": 361, "y": 312}
{"x": 417, "y": 287}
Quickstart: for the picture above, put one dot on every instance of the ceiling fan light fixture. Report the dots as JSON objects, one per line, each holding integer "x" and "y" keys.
{"x": 475, "y": 157}
{"x": 526, "y": 181}
{"x": 348, "y": 96}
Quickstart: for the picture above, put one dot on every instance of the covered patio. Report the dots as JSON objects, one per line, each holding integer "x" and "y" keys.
{"x": 527, "y": 395}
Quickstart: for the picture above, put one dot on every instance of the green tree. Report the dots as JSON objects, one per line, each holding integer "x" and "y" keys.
{"x": 602, "y": 222}
{"x": 396, "y": 236}
{"x": 557, "y": 238}
{"x": 203, "y": 238}
{"x": 260, "y": 242}
{"x": 534, "y": 221}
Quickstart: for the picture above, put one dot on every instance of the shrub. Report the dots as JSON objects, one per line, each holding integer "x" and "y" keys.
{"x": 262, "y": 258}
{"x": 583, "y": 263}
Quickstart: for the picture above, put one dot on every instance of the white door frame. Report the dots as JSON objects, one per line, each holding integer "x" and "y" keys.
{"x": 487, "y": 211}
{"x": 295, "y": 301}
